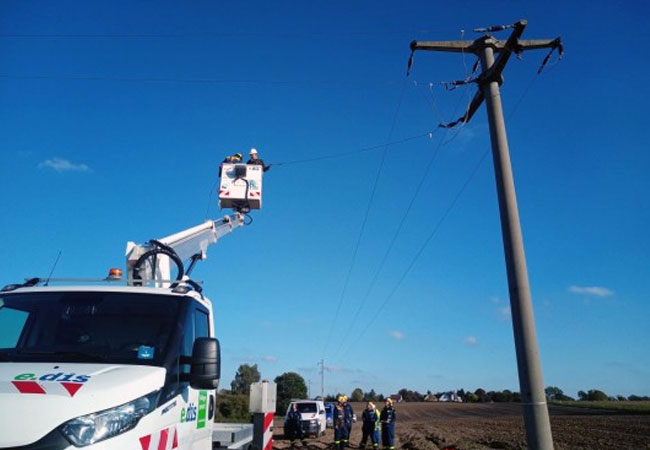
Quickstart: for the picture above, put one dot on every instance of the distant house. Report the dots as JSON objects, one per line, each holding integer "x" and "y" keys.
{"x": 430, "y": 398}
{"x": 396, "y": 398}
{"x": 450, "y": 397}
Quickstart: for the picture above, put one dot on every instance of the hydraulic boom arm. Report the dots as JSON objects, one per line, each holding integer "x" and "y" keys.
{"x": 151, "y": 261}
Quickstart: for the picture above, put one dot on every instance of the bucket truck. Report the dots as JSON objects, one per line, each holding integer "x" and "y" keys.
{"x": 113, "y": 365}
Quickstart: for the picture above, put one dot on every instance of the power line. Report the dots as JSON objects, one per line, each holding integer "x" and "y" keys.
{"x": 423, "y": 178}
{"x": 375, "y": 277}
{"x": 365, "y": 217}
{"x": 354, "y": 152}
{"x": 449, "y": 208}
{"x": 218, "y": 81}
{"x": 223, "y": 34}
{"x": 388, "y": 250}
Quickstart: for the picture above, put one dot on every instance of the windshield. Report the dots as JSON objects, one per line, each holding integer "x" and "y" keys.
{"x": 106, "y": 327}
{"x": 306, "y": 407}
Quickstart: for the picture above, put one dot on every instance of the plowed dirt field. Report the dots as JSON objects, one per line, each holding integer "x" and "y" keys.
{"x": 438, "y": 426}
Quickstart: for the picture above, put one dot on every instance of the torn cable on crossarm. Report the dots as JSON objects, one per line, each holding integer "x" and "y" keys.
{"x": 471, "y": 109}
{"x": 556, "y": 44}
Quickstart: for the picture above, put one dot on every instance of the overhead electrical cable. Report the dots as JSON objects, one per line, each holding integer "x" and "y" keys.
{"x": 437, "y": 227}
{"x": 218, "y": 81}
{"x": 429, "y": 165}
{"x": 424, "y": 245}
{"x": 223, "y": 34}
{"x": 354, "y": 152}
{"x": 365, "y": 217}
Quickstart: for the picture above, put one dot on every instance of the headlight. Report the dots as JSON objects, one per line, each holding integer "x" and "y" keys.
{"x": 95, "y": 427}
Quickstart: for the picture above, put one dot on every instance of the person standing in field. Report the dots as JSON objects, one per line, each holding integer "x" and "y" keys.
{"x": 370, "y": 426}
{"x": 348, "y": 415}
{"x": 387, "y": 418}
{"x": 341, "y": 435}
{"x": 294, "y": 428}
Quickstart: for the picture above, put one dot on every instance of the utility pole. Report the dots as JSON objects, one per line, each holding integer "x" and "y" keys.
{"x": 322, "y": 378}
{"x": 531, "y": 383}
{"x": 309, "y": 389}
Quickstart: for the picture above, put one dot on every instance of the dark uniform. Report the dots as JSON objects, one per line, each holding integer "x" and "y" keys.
{"x": 388, "y": 427}
{"x": 348, "y": 415}
{"x": 294, "y": 427}
{"x": 341, "y": 434}
{"x": 233, "y": 159}
{"x": 259, "y": 162}
{"x": 370, "y": 427}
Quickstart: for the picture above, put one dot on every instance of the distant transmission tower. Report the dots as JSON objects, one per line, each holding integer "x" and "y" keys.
{"x": 321, "y": 363}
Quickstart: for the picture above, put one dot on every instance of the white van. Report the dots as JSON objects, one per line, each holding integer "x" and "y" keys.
{"x": 313, "y": 419}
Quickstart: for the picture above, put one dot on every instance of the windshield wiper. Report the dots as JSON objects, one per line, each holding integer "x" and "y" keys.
{"x": 83, "y": 356}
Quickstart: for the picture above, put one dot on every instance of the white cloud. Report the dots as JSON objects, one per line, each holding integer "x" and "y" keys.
{"x": 504, "y": 312}
{"x": 470, "y": 341}
{"x": 597, "y": 291}
{"x": 396, "y": 334}
{"x": 270, "y": 358}
{"x": 62, "y": 165}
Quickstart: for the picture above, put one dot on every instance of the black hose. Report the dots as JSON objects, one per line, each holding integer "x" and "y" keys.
{"x": 163, "y": 250}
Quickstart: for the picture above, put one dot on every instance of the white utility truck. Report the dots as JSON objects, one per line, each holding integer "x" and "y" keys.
{"x": 115, "y": 365}
{"x": 313, "y": 418}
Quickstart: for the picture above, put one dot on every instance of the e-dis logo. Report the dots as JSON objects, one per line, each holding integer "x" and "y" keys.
{"x": 189, "y": 414}
{"x": 58, "y": 383}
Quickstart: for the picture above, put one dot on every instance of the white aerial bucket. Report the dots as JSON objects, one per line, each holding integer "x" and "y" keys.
{"x": 240, "y": 186}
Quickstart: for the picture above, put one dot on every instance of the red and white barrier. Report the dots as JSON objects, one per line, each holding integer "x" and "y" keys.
{"x": 165, "y": 439}
{"x": 268, "y": 431}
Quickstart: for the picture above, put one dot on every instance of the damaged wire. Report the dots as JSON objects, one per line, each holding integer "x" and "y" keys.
{"x": 555, "y": 45}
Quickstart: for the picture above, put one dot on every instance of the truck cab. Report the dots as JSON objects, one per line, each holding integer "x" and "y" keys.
{"x": 107, "y": 367}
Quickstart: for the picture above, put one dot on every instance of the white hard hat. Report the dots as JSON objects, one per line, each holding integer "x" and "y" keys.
{"x": 253, "y": 151}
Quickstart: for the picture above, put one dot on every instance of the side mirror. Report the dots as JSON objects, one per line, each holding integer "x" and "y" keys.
{"x": 205, "y": 369}
{"x": 322, "y": 411}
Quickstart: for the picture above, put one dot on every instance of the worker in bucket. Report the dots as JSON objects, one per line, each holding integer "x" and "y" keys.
{"x": 294, "y": 428}
{"x": 341, "y": 435}
{"x": 255, "y": 159}
{"x": 348, "y": 414}
{"x": 387, "y": 418}
{"x": 370, "y": 426}
{"x": 230, "y": 159}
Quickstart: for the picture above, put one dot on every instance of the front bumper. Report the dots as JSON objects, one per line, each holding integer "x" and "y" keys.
{"x": 309, "y": 427}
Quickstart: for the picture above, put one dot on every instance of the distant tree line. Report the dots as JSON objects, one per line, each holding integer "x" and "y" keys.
{"x": 482, "y": 396}
{"x": 232, "y": 405}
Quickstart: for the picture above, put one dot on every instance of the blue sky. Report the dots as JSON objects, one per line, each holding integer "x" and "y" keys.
{"x": 115, "y": 115}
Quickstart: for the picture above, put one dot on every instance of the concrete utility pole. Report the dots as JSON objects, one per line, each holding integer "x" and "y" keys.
{"x": 322, "y": 378}
{"x": 531, "y": 383}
